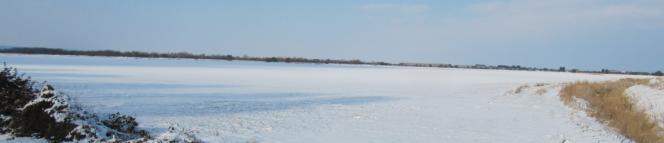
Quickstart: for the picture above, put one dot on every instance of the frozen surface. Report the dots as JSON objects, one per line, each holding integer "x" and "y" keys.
{"x": 223, "y": 101}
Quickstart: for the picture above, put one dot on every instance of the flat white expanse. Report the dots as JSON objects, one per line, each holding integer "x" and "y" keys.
{"x": 277, "y": 102}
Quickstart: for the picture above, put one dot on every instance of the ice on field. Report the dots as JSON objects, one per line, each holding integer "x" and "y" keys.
{"x": 276, "y": 102}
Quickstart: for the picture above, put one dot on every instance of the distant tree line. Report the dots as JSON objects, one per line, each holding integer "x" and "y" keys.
{"x": 187, "y": 55}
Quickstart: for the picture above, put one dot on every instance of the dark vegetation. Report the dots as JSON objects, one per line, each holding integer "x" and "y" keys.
{"x": 27, "y": 112}
{"x": 34, "y": 121}
{"x": 15, "y": 92}
{"x": 123, "y": 124}
{"x": 111, "y": 53}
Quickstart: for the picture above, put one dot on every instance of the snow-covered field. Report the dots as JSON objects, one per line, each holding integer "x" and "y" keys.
{"x": 237, "y": 101}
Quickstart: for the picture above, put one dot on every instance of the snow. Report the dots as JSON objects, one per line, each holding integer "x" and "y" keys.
{"x": 221, "y": 101}
{"x": 10, "y": 139}
{"x": 649, "y": 98}
{"x": 48, "y": 94}
{"x": 177, "y": 134}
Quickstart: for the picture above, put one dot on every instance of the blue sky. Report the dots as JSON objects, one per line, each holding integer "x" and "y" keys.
{"x": 588, "y": 34}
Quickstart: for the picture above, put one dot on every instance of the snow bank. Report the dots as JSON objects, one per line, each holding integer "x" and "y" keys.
{"x": 649, "y": 98}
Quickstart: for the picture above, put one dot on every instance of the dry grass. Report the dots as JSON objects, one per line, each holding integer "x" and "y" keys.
{"x": 541, "y": 88}
{"x": 520, "y": 89}
{"x": 541, "y": 84}
{"x": 607, "y": 102}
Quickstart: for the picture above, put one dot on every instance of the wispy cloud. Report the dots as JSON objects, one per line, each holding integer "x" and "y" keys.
{"x": 518, "y": 19}
{"x": 629, "y": 10}
{"x": 589, "y": 9}
{"x": 390, "y": 7}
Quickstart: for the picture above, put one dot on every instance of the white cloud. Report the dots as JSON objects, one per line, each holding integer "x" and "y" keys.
{"x": 486, "y": 7}
{"x": 521, "y": 24}
{"x": 518, "y": 20}
{"x": 628, "y": 10}
{"x": 404, "y": 8}
{"x": 534, "y": 27}
{"x": 567, "y": 10}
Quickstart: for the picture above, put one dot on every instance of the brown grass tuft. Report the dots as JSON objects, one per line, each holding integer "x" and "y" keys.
{"x": 520, "y": 88}
{"x": 607, "y": 102}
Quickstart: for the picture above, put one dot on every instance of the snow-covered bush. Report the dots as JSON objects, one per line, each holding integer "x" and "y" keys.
{"x": 126, "y": 125}
{"x": 44, "y": 116}
{"x": 15, "y": 92}
{"x": 25, "y": 112}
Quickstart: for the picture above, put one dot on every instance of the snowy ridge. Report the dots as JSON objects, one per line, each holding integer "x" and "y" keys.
{"x": 650, "y": 98}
